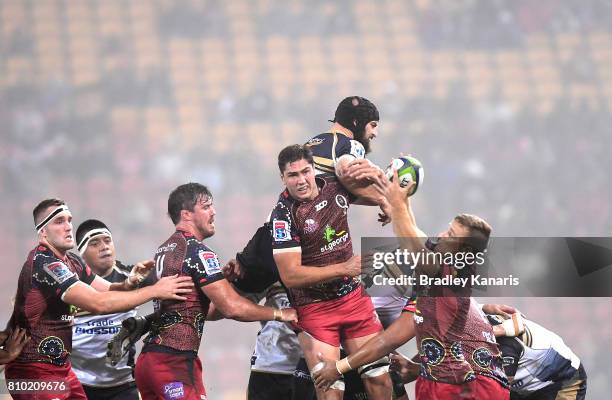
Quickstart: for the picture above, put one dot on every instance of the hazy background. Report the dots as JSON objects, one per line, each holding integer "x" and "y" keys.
{"x": 111, "y": 104}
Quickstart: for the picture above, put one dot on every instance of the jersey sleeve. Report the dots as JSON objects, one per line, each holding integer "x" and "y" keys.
{"x": 410, "y": 305}
{"x": 53, "y": 277}
{"x": 512, "y": 352}
{"x": 285, "y": 237}
{"x": 203, "y": 266}
{"x": 84, "y": 272}
{"x": 349, "y": 148}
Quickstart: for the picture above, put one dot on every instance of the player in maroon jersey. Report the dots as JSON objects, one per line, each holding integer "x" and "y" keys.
{"x": 168, "y": 366}
{"x": 313, "y": 251}
{"x": 51, "y": 280}
{"x": 459, "y": 355}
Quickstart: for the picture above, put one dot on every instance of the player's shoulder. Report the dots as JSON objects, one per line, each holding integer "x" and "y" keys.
{"x": 321, "y": 140}
{"x": 76, "y": 259}
{"x": 42, "y": 256}
{"x": 284, "y": 204}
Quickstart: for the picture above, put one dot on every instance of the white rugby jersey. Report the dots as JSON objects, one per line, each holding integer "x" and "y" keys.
{"x": 277, "y": 349}
{"x": 90, "y": 336}
{"x": 538, "y": 358}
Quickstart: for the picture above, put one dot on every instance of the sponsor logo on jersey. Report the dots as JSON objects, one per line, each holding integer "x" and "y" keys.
{"x": 281, "y": 230}
{"x": 314, "y": 142}
{"x": 59, "y": 271}
{"x": 357, "y": 149}
{"x": 310, "y": 225}
{"x": 321, "y": 205}
{"x": 166, "y": 248}
{"x": 210, "y": 261}
{"x": 342, "y": 202}
{"x": 174, "y": 390}
{"x": 333, "y": 238}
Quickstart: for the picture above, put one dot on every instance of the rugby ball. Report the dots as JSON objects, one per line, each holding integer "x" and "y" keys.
{"x": 409, "y": 169}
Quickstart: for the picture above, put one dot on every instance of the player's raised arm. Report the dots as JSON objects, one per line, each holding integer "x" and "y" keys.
{"x": 404, "y": 224}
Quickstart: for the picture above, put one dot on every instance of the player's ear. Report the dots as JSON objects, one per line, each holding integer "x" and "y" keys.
{"x": 185, "y": 215}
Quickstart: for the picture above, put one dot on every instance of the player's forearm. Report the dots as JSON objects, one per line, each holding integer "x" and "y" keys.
{"x": 397, "y": 334}
{"x": 241, "y": 309}
{"x": 376, "y": 348}
{"x": 117, "y": 301}
{"x": 366, "y": 193}
{"x": 302, "y": 276}
{"x": 411, "y": 237}
{"x": 123, "y": 286}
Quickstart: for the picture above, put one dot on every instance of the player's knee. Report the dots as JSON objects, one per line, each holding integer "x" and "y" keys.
{"x": 375, "y": 369}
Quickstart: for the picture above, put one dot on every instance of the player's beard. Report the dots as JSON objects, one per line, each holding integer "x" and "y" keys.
{"x": 360, "y": 137}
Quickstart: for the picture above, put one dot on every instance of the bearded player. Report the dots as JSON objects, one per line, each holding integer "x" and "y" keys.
{"x": 168, "y": 366}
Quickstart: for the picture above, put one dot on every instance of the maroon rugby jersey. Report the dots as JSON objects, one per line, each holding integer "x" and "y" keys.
{"x": 320, "y": 228}
{"x": 179, "y": 324}
{"x": 43, "y": 281}
{"x": 454, "y": 339}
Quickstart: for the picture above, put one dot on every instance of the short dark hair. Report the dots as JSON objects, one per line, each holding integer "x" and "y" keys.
{"x": 354, "y": 113}
{"x": 87, "y": 226}
{"x": 293, "y": 153}
{"x": 478, "y": 228}
{"x": 185, "y": 197}
{"x": 38, "y": 212}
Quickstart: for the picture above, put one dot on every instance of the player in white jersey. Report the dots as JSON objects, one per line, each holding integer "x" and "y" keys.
{"x": 91, "y": 333}
{"x": 276, "y": 354}
{"x": 540, "y": 366}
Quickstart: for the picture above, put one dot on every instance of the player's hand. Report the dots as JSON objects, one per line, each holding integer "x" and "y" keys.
{"x": 364, "y": 170}
{"x": 396, "y": 195}
{"x": 15, "y": 341}
{"x": 233, "y": 270}
{"x": 325, "y": 373}
{"x": 405, "y": 368}
{"x": 139, "y": 272}
{"x": 352, "y": 267}
{"x": 288, "y": 315}
{"x": 3, "y": 336}
{"x": 172, "y": 287}
{"x": 384, "y": 217}
{"x": 499, "y": 309}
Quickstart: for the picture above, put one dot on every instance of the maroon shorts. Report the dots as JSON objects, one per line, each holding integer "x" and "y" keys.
{"x": 332, "y": 321}
{"x": 167, "y": 376}
{"x": 482, "y": 388}
{"x": 52, "y": 375}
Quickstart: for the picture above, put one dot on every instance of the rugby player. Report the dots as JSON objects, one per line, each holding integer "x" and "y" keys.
{"x": 168, "y": 366}
{"x": 340, "y": 151}
{"x": 312, "y": 249}
{"x": 50, "y": 281}
{"x": 91, "y": 333}
{"x": 539, "y": 365}
{"x": 458, "y": 352}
